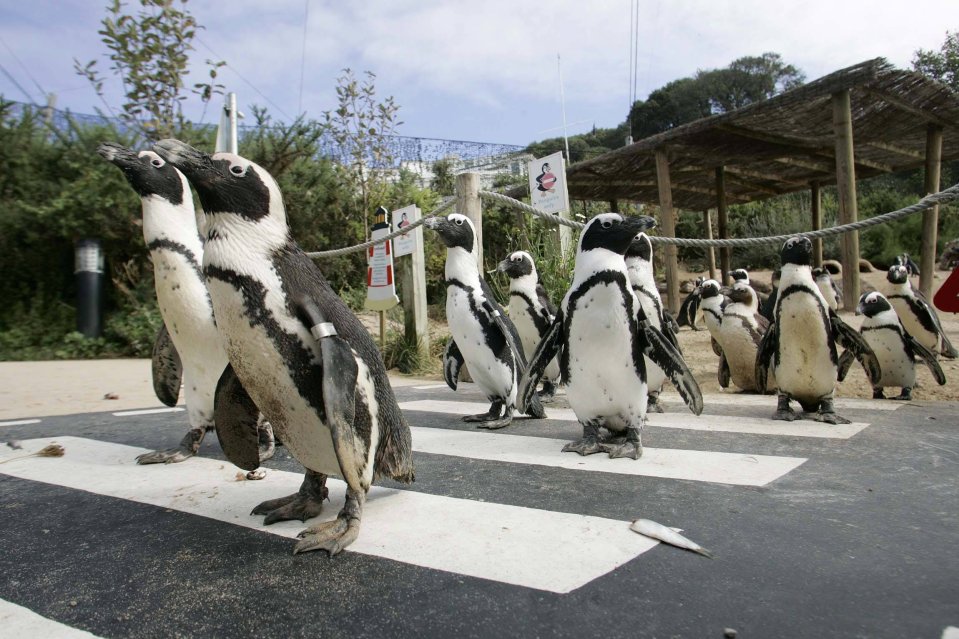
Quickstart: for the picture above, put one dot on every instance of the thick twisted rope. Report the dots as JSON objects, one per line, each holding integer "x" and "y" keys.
{"x": 942, "y": 197}
{"x": 447, "y": 203}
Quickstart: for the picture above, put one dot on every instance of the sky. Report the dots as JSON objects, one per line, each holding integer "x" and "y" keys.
{"x": 483, "y": 71}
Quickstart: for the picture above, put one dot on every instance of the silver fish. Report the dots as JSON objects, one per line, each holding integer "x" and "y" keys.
{"x": 651, "y": 529}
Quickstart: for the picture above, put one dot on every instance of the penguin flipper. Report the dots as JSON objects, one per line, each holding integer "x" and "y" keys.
{"x": 947, "y": 349}
{"x": 717, "y": 349}
{"x": 668, "y": 319}
{"x": 658, "y": 349}
{"x": 167, "y": 368}
{"x": 845, "y": 363}
{"x": 928, "y": 357}
{"x": 687, "y": 310}
{"x": 235, "y": 417}
{"x": 670, "y": 329}
{"x": 764, "y": 355}
{"x": 849, "y": 339}
{"x": 508, "y": 329}
{"x": 545, "y": 351}
{"x": 724, "y": 373}
{"x": 452, "y": 363}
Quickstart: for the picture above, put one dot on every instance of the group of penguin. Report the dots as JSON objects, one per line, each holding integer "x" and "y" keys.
{"x": 262, "y": 344}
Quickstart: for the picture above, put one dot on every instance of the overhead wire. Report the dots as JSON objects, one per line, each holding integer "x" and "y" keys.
{"x": 24, "y": 67}
{"x": 306, "y": 22}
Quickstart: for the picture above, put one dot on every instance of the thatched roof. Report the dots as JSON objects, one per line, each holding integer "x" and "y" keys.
{"x": 782, "y": 144}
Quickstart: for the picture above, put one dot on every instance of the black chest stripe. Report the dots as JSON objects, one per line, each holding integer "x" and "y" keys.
{"x": 801, "y": 289}
{"x": 922, "y": 313}
{"x": 652, "y": 298}
{"x": 176, "y": 247}
{"x": 539, "y": 321}
{"x": 492, "y": 335}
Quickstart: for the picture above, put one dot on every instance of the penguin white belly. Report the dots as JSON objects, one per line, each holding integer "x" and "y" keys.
{"x": 655, "y": 377}
{"x": 740, "y": 351}
{"x": 492, "y": 375}
{"x": 529, "y": 335}
{"x": 603, "y": 380}
{"x": 897, "y": 369}
{"x": 266, "y": 377}
{"x": 829, "y": 294}
{"x": 805, "y": 370}
{"x": 912, "y": 325}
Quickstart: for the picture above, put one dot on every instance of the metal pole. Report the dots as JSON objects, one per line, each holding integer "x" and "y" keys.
{"x": 88, "y": 269}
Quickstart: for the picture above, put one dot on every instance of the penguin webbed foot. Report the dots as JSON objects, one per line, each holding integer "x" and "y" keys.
{"x": 905, "y": 395}
{"x": 304, "y": 504}
{"x": 653, "y": 405}
{"x": 827, "y": 413}
{"x": 267, "y": 442}
{"x": 187, "y": 448}
{"x": 627, "y": 445}
{"x": 784, "y": 412}
{"x": 334, "y": 536}
{"x": 591, "y": 442}
{"x": 878, "y": 394}
{"x": 548, "y": 393}
{"x": 493, "y": 419}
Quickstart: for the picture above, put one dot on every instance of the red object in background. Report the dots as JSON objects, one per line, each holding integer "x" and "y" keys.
{"x": 947, "y": 297}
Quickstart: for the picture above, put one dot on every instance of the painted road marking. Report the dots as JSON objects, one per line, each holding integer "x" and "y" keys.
{"x": 528, "y": 547}
{"x": 18, "y": 621}
{"x": 950, "y": 632}
{"x": 738, "y": 469}
{"x": 431, "y": 387}
{"x": 20, "y": 422}
{"x": 148, "y": 411}
{"x": 737, "y": 399}
{"x": 685, "y": 420}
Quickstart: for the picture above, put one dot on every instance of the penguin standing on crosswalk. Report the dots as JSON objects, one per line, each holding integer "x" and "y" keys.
{"x": 482, "y": 336}
{"x": 601, "y": 336}
{"x": 740, "y": 333}
{"x": 896, "y": 350}
{"x": 188, "y": 347}
{"x": 295, "y": 350}
{"x": 711, "y": 303}
{"x": 917, "y": 316}
{"x": 800, "y": 345}
{"x": 531, "y": 311}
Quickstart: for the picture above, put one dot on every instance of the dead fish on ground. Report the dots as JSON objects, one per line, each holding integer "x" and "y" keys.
{"x": 52, "y": 450}
{"x": 650, "y": 528}
{"x": 14, "y": 444}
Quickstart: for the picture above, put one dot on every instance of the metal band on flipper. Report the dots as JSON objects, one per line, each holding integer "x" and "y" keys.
{"x": 323, "y": 329}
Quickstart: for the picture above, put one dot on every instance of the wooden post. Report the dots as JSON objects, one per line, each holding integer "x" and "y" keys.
{"x": 413, "y": 282}
{"x": 669, "y": 230}
{"x": 930, "y": 217}
{"x": 468, "y": 203}
{"x": 614, "y": 206}
{"x": 710, "y": 251}
{"x": 725, "y": 253}
{"x": 816, "y": 196}
{"x": 846, "y": 183}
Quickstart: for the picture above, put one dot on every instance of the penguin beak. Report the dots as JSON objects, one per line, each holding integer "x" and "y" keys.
{"x": 196, "y": 165}
{"x": 119, "y": 155}
{"x": 638, "y": 224}
{"x": 432, "y": 222}
{"x": 859, "y": 310}
{"x": 503, "y": 266}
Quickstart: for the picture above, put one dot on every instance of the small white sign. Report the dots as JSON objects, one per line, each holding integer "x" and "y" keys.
{"x": 380, "y": 286}
{"x": 405, "y": 244}
{"x": 547, "y": 183}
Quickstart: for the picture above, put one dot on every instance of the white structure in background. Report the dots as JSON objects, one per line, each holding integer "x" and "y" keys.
{"x": 226, "y": 136}
{"x": 488, "y": 168}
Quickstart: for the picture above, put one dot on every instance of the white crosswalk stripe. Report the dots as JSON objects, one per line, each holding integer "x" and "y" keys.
{"x": 17, "y": 621}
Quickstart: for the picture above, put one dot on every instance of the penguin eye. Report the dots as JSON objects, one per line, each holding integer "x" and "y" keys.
{"x": 157, "y": 162}
{"x": 459, "y": 221}
{"x": 237, "y": 170}
{"x": 606, "y": 224}
{"x": 517, "y": 258}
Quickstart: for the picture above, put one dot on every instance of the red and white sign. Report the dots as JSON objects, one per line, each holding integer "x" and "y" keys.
{"x": 380, "y": 286}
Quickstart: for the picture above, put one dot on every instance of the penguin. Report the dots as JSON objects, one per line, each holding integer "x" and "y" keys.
{"x": 689, "y": 310}
{"x": 639, "y": 268}
{"x": 917, "y": 316}
{"x": 188, "y": 347}
{"x": 713, "y": 303}
{"x": 295, "y": 350}
{"x": 531, "y": 311}
{"x": 799, "y": 347}
{"x": 904, "y": 260}
{"x": 601, "y": 335}
{"x": 741, "y": 276}
{"x": 770, "y": 302}
{"x": 740, "y": 333}
{"x": 827, "y": 287}
{"x": 894, "y": 347}
{"x": 482, "y": 337}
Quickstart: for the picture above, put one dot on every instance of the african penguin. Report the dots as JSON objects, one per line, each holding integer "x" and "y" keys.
{"x": 800, "y": 345}
{"x": 918, "y": 317}
{"x": 769, "y": 304}
{"x": 827, "y": 287}
{"x": 689, "y": 311}
{"x": 741, "y": 277}
{"x": 531, "y": 311}
{"x": 712, "y": 304}
{"x": 639, "y": 267}
{"x": 602, "y": 335}
{"x": 295, "y": 349}
{"x": 482, "y": 336}
{"x": 740, "y": 333}
{"x": 188, "y": 346}
{"x": 894, "y": 347}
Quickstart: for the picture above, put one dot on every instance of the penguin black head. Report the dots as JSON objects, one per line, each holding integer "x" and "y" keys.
{"x": 613, "y": 232}
{"x": 739, "y": 275}
{"x": 872, "y": 304}
{"x": 897, "y": 274}
{"x": 741, "y": 293}
{"x": 797, "y": 250}
{"x": 819, "y": 273}
{"x": 641, "y": 247}
{"x": 517, "y": 264}
{"x": 147, "y": 172}
{"x": 226, "y": 183}
{"x": 709, "y": 288}
{"x": 455, "y": 230}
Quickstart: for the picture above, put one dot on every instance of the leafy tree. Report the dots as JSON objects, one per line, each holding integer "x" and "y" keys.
{"x": 150, "y": 55}
{"x": 444, "y": 180}
{"x": 942, "y": 65}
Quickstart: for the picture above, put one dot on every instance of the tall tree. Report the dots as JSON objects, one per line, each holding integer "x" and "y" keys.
{"x": 942, "y": 65}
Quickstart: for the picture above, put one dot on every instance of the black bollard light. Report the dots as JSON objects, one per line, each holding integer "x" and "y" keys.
{"x": 88, "y": 269}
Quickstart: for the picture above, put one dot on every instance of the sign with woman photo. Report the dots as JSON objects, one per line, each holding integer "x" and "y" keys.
{"x": 547, "y": 183}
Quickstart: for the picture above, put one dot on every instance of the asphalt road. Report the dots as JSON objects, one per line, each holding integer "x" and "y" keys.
{"x": 842, "y": 534}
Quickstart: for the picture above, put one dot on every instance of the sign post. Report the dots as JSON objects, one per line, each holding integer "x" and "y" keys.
{"x": 413, "y": 276}
{"x": 380, "y": 286}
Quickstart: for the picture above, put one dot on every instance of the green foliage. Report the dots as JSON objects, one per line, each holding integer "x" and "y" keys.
{"x": 942, "y": 65}
{"x": 444, "y": 180}
{"x": 584, "y": 145}
{"x": 149, "y": 52}
{"x": 404, "y": 355}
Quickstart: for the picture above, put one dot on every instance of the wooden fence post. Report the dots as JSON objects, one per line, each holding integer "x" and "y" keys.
{"x": 816, "y": 196}
{"x": 725, "y": 253}
{"x": 468, "y": 203}
{"x": 930, "y": 217}
{"x": 668, "y": 215}
{"x": 846, "y": 183}
{"x": 710, "y": 251}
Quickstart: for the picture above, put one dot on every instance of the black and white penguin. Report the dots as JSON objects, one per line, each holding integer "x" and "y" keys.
{"x": 740, "y": 276}
{"x": 531, "y": 311}
{"x": 188, "y": 348}
{"x": 639, "y": 268}
{"x": 800, "y": 345}
{"x": 482, "y": 335}
{"x": 602, "y": 335}
{"x": 894, "y": 347}
{"x": 769, "y": 304}
{"x": 689, "y": 311}
{"x": 740, "y": 333}
{"x": 827, "y": 286}
{"x": 917, "y": 316}
{"x": 904, "y": 260}
{"x": 712, "y": 304}
{"x": 295, "y": 350}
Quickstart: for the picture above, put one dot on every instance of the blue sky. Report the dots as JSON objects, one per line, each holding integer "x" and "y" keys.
{"x": 482, "y": 71}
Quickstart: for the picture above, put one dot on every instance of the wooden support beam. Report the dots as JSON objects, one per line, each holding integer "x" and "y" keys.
{"x": 816, "y": 197}
{"x": 930, "y": 217}
{"x": 812, "y": 165}
{"x": 669, "y": 230}
{"x": 846, "y": 183}
{"x": 902, "y": 105}
{"x": 468, "y": 203}
{"x": 892, "y": 148}
{"x": 733, "y": 176}
{"x": 725, "y": 253}
{"x": 710, "y": 251}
